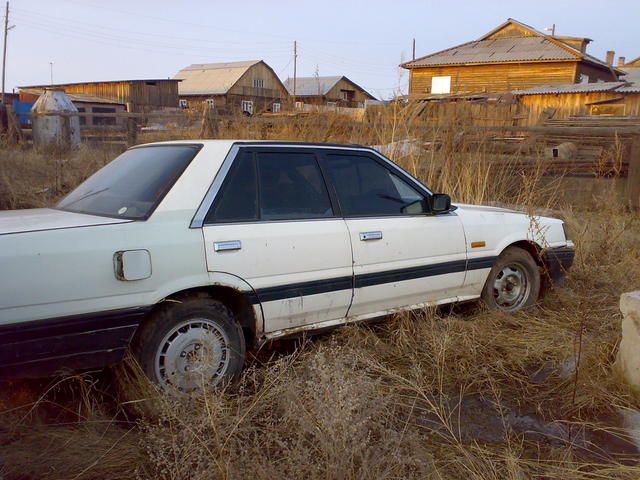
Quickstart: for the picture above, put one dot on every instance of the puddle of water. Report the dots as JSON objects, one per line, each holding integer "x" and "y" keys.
{"x": 475, "y": 418}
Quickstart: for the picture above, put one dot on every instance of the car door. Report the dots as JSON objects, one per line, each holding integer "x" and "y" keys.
{"x": 274, "y": 225}
{"x": 402, "y": 256}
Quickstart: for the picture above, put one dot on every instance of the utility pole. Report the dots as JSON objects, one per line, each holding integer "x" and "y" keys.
{"x": 414, "y": 49}
{"x": 51, "y": 71}
{"x": 295, "y": 70}
{"x": 4, "y": 53}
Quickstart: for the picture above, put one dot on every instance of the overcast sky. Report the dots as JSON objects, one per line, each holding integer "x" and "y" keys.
{"x": 364, "y": 40}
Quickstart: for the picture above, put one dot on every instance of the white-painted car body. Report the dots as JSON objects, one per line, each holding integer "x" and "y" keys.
{"x": 61, "y": 282}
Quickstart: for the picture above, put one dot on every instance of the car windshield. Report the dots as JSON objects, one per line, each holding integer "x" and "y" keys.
{"x": 132, "y": 185}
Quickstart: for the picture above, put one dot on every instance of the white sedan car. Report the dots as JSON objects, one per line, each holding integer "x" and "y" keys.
{"x": 189, "y": 252}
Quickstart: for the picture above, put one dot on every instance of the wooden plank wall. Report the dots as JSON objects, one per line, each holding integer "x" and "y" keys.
{"x": 493, "y": 78}
{"x": 273, "y": 87}
{"x": 573, "y": 104}
{"x": 335, "y": 94}
{"x": 144, "y": 95}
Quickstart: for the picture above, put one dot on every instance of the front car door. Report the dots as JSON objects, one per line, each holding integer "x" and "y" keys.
{"x": 403, "y": 257}
{"x": 273, "y": 224}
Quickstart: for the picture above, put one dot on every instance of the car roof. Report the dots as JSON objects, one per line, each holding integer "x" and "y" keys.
{"x": 255, "y": 142}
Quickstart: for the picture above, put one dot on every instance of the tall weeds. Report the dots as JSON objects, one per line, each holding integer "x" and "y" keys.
{"x": 454, "y": 393}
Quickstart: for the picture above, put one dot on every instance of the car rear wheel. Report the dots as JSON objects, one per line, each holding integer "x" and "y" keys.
{"x": 514, "y": 281}
{"x": 188, "y": 345}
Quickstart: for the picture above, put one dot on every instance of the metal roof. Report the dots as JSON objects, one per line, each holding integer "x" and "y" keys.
{"x": 508, "y": 49}
{"x": 314, "y": 86}
{"x": 211, "y": 78}
{"x": 534, "y": 47}
{"x": 311, "y": 86}
{"x": 617, "y": 87}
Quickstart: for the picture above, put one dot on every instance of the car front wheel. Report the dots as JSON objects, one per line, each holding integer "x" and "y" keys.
{"x": 188, "y": 345}
{"x": 514, "y": 281}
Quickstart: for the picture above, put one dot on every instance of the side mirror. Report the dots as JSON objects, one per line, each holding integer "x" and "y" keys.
{"x": 440, "y": 203}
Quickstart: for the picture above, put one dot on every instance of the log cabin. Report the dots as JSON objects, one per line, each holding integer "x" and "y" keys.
{"x": 510, "y": 57}
{"x": 248, "y": 87}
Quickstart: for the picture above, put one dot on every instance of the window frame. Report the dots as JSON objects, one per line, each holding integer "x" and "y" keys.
{"x": 198, "y": 218}
{"x": 439, "y": 80}
{"x": 254, "y": 151}
{"x": 387, "y": 165}
{"x": 197, "y": 147}
{"x": 249, "y": 104}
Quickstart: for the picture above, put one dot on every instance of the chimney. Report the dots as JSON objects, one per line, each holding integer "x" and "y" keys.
{"x": 621, "y": 61}
{"x": 610, "y": 56}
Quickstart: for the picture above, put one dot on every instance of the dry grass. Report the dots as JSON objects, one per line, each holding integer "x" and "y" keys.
{"x": 429, "y": 394}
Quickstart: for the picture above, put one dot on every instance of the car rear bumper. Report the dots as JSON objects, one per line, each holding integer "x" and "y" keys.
{"x": 79, "y": 342}
{"x": 557, "y": 262}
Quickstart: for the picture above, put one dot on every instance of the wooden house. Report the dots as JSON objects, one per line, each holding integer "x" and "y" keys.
{"x": 336, "y": 91}
{"x": 606, "y": 99}
{"x": 138, "y": 95}
{"x": 510, "y": 57}
{"x": 248, "y": 87}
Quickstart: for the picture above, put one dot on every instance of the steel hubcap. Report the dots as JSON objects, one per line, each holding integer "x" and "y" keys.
{"x": 193, "y": 354}
{"x": 511, "y": 287}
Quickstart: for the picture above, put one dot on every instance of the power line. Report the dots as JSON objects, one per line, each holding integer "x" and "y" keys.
{"x": 122, "y": 42}
{"x": 53, "y": 20}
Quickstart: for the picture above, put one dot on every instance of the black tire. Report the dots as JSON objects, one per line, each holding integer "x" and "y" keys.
{"x": 176, "y": 325}
{"x": 512, "y": 265}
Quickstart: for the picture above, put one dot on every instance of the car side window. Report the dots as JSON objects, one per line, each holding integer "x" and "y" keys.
{"x": 367, "y": 188}
{"x": 237, "y": 201}
{"x": 272, "y": 186}
{"x": 291, "y": 187}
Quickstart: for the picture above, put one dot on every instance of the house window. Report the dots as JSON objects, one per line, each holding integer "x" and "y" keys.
{"x": 258, "y": 83}
{"x": 184, "y": 103}
{"x": 347, "y": 95}
{"x": 441, "y": 84}
{"x": 103, "y": 120}
{"x": 276, "y": 107}
{"x": 582, "y": 78}
{"x": 247, "y": 107}
{"x": 299, "y": 105}
{"x": 210, "y": 103}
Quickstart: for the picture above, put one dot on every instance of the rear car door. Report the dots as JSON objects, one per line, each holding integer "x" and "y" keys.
{"x": 273, "y": 224}
{"x": 402, "y": 256}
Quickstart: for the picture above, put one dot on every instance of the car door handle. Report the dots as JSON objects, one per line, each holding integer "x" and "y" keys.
{"x": 366, "y": 236}
{"x": 228, "y": 245}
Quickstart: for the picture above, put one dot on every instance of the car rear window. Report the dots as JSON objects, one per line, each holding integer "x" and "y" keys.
{"x": 132, "y": 185}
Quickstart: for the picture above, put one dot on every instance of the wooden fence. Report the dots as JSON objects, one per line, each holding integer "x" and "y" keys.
{"x": 578, "y": 146}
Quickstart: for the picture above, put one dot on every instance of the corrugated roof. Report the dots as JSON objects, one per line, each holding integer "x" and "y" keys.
{"x": 536, "y": 47}
{"x": 508, "y": 49}
{"x": 310, "y": 86}
{"x": 617, "y": 87}
{"x": 211, "y": 78}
